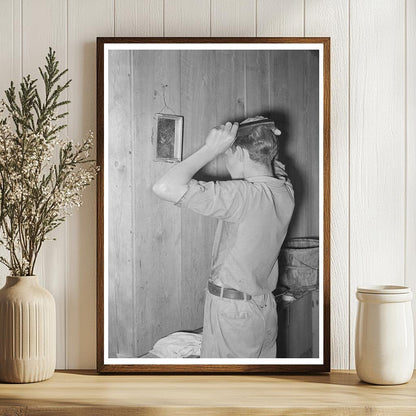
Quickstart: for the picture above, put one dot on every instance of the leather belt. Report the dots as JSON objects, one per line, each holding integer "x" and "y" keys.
{"x": 226, "y": 292}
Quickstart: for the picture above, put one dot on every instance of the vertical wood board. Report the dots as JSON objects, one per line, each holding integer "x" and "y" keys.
{"x": 121, "y": 268}
{"x": 10, "y": 69}
{"x": 280, "y": 18}
{"x": 331, "y": 18}
{"x": 230, "y": 86}
{"x": 36, "y": 39}
{"x": 233, "y": 18}
{"x": 410, "y": 278}
{"x": 10, "y": 45}
{"x": 187, "y": 18}
{"x": 198, "y": 106}
{"x": 257, "y": 87}
{"x": 293, "y": 106}
{"x": 157, "y": 228}
{"x": 377, "y": 152}
{"x": 85, "y": 20}
{"x": 311, "y": 138}
{"x": 138, "y": 17}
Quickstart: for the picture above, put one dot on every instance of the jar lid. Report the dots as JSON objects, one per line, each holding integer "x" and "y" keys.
{"x": 384, "y": 289}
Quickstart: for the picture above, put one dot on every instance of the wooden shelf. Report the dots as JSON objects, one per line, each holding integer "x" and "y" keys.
{"x": 85, "y": 392}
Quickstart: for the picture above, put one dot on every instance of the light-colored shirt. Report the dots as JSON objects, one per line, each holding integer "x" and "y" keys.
{"x": 254, "y": 216}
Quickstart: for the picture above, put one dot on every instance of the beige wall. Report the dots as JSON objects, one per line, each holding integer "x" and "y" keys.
{"x": 373, "y": 128}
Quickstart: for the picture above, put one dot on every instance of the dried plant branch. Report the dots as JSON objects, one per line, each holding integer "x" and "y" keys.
{"x": 41, "y": 175}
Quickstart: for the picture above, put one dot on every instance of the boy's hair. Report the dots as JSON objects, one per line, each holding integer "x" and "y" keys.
{"x": 261, "y": 143}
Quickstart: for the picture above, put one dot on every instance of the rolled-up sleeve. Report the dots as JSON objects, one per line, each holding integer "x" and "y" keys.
{"x": 225, "y": 200}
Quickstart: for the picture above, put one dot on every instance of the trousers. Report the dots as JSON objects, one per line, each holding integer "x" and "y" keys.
{"x": 236, "y": 328}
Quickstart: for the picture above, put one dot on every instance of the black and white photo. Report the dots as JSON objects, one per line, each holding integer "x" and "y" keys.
{"x": 213, "y": 204}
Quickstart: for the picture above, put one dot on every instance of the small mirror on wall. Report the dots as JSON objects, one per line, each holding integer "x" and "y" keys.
{"x": 168, "y": 137}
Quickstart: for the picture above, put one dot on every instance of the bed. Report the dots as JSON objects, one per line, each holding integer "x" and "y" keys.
{"x": 178, "y": 344}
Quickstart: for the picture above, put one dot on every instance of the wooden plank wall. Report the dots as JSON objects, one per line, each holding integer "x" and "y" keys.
{"x": 120, "y": 188}
{"x": 377, "y": 148}
{"x": 331, "y": 18}
{"x": 197, "y": 85}
{"x": 85, "y": 20}
{"x": 157, "y": 223}
{"x": 410, "y": 229}
{"x": 373, "y": 231}
{"x": 294, "y": 104}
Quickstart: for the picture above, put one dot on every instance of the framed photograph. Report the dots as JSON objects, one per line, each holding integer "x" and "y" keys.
{"x": 213, "y": 205}
{"x": 168, "y": 137}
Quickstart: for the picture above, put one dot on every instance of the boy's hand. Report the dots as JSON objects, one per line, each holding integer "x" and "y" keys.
{"x": 220, "y": 138}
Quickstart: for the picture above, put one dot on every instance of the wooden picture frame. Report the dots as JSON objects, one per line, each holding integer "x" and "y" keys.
{"x": 116, "y": 182}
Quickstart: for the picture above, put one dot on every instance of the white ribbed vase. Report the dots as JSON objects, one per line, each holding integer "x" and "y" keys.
{"x": 27, "y": 331}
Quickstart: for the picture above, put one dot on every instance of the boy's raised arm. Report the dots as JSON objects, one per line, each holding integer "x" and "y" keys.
{"x": 173, "y": 184}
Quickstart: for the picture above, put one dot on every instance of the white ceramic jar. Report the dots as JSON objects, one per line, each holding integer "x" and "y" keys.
{"x": 384, "y": 337}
